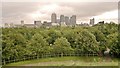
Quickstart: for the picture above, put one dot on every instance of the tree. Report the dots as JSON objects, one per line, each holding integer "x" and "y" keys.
{"x": 62, "y": 46}
{"x": 37, "y": 45}
{"x": 70, "y": 36}
{"x": 53, "y": 35}
{"x": 86, "y": 42}
{"x": 13, "y": 45}
{"x": 113, "y": 44}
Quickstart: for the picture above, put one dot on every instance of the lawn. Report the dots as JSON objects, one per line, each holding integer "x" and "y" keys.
{"x": 68, "y": 61}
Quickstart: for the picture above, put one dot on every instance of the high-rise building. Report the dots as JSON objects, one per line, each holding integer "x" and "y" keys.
{"x": 73, "y": 20}
{"x": 62, "y": 19}
{"x": 67, "y": 20}
{"x": 92, "y": 21}
{"x": 53, "y": 18}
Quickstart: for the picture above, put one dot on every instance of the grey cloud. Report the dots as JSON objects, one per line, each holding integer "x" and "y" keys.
{"x": 88, "y": 9}
{"x": 81, "y": 9}
{"x": 60, "y": 0}
{"x": 16, "y": 8}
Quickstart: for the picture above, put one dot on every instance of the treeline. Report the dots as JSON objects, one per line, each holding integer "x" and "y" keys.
{"x": 23, "y": 42}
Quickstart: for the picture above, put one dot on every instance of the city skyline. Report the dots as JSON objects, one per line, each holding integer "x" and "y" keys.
{"x": 42, "y": 11}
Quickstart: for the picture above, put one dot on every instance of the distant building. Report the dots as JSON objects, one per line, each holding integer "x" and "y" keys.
{"x": 63, "y": 24}
{"x": 37, "y": 23}
{"x": 47, "y": 24}
{"x": 18, "y": 25}
{"x": 6, "y": 25}
{"x": 29, "y": 25}
{"x": 62, "y": 20}
{"x": 73, "y": 20}
{"x": 53, "y": 18}
{"x": 11, "y": 25}
{"x": 83, "y": 24}
{"x": 55, "y": 24}
{"x": 92, "y": 21}
{"x": 67, "y": 20}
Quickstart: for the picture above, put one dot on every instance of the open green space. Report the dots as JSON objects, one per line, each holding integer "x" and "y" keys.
{"x": 68, "y": 61}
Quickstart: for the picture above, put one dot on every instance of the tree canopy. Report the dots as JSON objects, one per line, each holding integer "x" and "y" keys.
{"x": 20, "y": 42}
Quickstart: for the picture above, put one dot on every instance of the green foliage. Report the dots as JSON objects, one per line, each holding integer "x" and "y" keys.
{"x": 70, "y": 36}
{"x": 113, "y": 43}
{"x": 53, "y": 35}
{"x": 37, "y": 44}
{"x": 23, "y": 42}
{"x": 86, "y": 42}
{"x": 13, "y": 45}
{"x": 61, "y": 45}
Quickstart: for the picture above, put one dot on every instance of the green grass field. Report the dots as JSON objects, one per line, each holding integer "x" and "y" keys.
{"x": 67, "y": 61}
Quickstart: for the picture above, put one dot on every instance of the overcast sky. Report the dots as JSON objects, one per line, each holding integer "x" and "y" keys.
{"x": 14, "y": 12}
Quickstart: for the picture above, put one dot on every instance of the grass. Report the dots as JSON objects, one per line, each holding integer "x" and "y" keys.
{"x": 67, "y": 61}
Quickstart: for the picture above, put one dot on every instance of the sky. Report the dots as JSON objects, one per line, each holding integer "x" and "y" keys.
{"x": 13, "y": 11}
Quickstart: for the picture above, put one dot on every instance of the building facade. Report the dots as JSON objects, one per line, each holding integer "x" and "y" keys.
{"x": 73, "y": 20}
{"x": 92, "y": 21}
{"x": 53, "y": 18}
{"x": 37, "y": 23}
{"x": 62, "y": 20}
{"x": 67, "y": 20}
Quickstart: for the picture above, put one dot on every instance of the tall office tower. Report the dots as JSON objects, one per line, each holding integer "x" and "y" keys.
{"x": 92, "y": 21}
{"x": 62, "y": 19}
{"x": 73, "y": 20}
{"x": 67, "y": 20}
{"x": 53, "y": 18}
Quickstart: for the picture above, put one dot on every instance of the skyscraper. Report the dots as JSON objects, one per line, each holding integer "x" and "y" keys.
{"x": 92, "y": 21}
{"x": 62, "y": 19}
{"x": 73, "y": 20}
{"x": 53, "y": 18}
{"x": 67, "y": 20}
